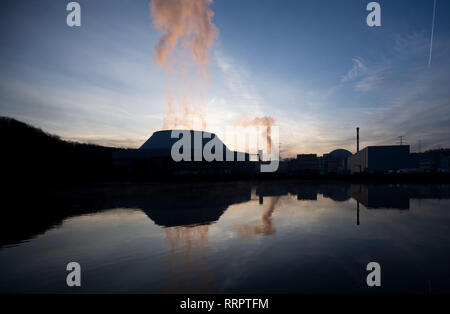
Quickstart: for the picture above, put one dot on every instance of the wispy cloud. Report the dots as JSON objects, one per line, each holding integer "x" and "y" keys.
{"x": 238, "y": 81}
{"x": 369, "y": 82}
{"x": 413, "y": 99}
{"x": 357, "y": 70}
{"x": 79, "y": 111}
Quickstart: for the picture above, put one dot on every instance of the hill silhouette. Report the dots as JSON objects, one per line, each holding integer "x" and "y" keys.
{"x": 31, "y": 155}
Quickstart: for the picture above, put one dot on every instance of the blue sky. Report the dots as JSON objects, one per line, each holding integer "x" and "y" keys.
{"x": 315, "y": 66}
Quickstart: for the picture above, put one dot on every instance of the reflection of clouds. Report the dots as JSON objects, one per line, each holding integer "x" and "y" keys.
{"x": 266, "y": 227}
{"x": 240, "y": 86}
{"x": 322, "y": 232}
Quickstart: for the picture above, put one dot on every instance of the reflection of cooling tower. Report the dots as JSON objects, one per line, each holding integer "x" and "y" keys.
{"x": 185, "y": 216}
{"x": 192, "y": 204}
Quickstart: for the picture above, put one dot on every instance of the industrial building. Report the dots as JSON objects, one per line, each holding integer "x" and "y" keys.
{"x": 379, "y": 159}
{"x": 306, "y": 163}
{"x": 335, "y": 162}
{"x": 374, "y": 159}
{"x": 434, "y": 161}
{"x": 154, "y": 157}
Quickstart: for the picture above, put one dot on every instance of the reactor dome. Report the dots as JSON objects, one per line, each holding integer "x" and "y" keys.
{"x": 340, "y": 154}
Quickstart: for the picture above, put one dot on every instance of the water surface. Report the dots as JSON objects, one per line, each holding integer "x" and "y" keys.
{"x": 277, "y": 237}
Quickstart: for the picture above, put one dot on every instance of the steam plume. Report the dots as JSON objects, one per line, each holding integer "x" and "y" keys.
{"x": 185, "y": 22}
{"x": 246, "y": 121}
{"x": 187, "y": 35}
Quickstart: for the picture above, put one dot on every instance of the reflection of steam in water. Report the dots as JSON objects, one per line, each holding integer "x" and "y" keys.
{"x": 188, "y": 253}
{"x": 266, "y": 227}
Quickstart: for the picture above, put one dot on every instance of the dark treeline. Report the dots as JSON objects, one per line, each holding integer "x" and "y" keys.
{"x": 30, "y": 155}
{"x": 443, "y": 151}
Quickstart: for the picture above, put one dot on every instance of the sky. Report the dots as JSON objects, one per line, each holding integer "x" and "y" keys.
{"x": 316, "y": 67}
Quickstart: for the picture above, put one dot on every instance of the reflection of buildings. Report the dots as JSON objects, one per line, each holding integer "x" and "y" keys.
{"x": 304, "y": 192}
{"x": 172, "y": 204}
{"x": 337, "y": 192}
{"x": 307, "y": 194}
{"x": 372, "y": 196}
{"x": 435, "y": 191}
{"x": 392, "y": 196}
{"x": 380, "y": 196}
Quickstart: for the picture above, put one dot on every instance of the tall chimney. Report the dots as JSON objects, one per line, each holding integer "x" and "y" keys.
{"x": 357, "y": 140}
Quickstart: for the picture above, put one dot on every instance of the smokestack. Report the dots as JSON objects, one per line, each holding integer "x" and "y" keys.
{"x": 357, "y": 140}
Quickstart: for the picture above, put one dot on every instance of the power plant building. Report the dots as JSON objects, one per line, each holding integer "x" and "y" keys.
{"x": 306, "y": 163}
{"x": 154, "y": 157}
{"x": 335, "y": 162}
{"x": 374, "y": 159}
